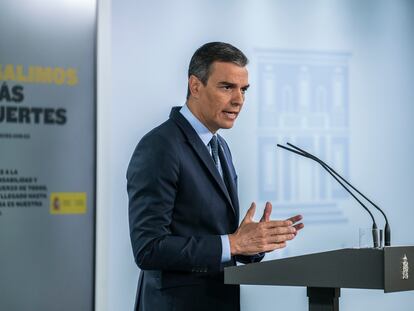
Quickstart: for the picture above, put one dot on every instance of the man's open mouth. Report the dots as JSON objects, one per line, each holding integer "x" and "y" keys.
{"x": 231, "y": 114}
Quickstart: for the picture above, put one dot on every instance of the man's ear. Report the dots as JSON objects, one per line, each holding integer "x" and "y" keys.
{"x": 194, "y": 85}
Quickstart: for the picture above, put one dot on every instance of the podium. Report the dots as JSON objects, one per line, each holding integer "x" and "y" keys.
{"x": 325, "y": 273}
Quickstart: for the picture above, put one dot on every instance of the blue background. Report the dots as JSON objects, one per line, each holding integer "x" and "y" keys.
{"x": 364, "y": 49}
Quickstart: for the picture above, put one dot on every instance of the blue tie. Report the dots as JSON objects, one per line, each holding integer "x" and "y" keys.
{"x": 214, "y": 151}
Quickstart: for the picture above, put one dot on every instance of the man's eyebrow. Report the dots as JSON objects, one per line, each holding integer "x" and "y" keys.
{"x": 226, "y": 83}
{"x": 232, "y": 84}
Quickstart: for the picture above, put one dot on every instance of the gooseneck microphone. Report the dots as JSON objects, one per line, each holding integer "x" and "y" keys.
{"x": 387, "y": 229}
{"x": 336, "y": 175}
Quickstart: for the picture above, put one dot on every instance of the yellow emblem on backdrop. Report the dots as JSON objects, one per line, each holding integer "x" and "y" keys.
{"x": 67, "y": 203}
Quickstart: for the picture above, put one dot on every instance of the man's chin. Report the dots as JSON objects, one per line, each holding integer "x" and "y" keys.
{"x": 227, "y": 125}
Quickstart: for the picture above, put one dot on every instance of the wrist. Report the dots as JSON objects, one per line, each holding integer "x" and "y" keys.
{"x": 233, "y": 244}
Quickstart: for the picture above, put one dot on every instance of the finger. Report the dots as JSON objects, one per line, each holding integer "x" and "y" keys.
{"x": 279, "y": 238}
{"x": 284, "y": 237}
{"x": 295, "y": 219}
{"x": 267, "y": 212}
{"x": 250, "y": 213}
{"x": 280, "y": 245}
{"x": 298, "y": 227}
{"x": 277, "y": 223}
{"x": 273, "y": 246}
{"x": 282, "y": 230}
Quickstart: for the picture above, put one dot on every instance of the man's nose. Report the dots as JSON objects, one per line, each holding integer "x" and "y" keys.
{"x": 238, "y": 97}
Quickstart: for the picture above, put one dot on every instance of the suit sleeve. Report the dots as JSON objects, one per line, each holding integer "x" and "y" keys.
{"x": 152, "y": 183}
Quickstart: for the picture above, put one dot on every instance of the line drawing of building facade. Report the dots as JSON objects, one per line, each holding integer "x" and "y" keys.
{"x": 303, "y": 98}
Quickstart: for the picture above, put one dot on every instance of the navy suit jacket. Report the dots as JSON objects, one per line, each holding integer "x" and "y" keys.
{"x": 179, "y": 205}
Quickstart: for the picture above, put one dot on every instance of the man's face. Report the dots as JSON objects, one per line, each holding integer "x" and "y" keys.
{"x": 218, "y": 103}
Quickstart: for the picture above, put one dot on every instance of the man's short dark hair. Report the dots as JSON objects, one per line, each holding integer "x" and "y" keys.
{"x": 206, "y": 55}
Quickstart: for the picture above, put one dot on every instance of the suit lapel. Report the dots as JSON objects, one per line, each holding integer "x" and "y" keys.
{"x": 201, "y": 150}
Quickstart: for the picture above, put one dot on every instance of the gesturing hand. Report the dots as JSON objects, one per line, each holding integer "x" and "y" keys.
{"x": 264, "y": 236}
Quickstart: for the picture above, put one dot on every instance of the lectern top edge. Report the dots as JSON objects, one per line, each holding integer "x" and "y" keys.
{"x": 367, "y": 268}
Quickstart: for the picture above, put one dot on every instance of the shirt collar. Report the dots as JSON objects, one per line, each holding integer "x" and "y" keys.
{"x": 202, "y": 131}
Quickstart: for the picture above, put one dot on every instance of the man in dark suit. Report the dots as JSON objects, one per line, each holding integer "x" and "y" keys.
{"x": 183, "y": 204}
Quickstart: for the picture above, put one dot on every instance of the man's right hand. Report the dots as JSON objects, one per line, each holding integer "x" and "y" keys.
{"x": 257, "y": 237}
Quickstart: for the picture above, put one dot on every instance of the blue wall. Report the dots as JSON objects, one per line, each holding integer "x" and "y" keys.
{"x": 333, "y": 76}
